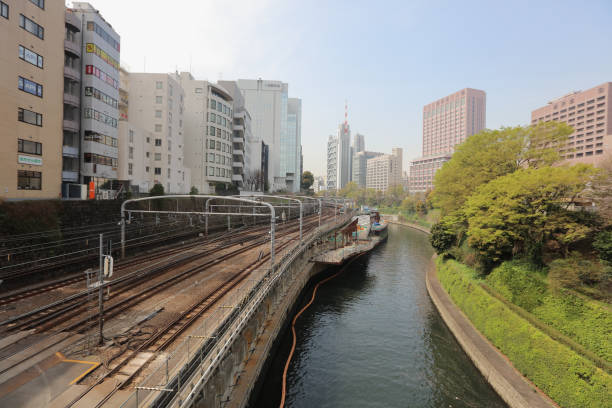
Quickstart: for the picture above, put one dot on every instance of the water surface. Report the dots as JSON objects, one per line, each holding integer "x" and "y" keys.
{"x": 373, "y": 338}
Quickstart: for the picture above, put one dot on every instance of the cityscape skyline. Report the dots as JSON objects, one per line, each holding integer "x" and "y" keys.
{"x": 525, "y": 86}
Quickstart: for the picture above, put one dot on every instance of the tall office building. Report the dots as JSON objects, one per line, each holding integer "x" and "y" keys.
{"x": 209, "y": 130}
{"x": 332, "y": 163}
{"x": 291, "y": 146}
{"x": 588, "y": 112}
{"x": 71, "y": 151}
{"x": 446, "y": 123}
{"x": 345, "y": 158}
{"x": 267, "y": 101}
{"x": 360, "y": 166}
{"x": 358, "y": 143}
{"x": 99, "y": 98}
{"x": 385, "y": 171}
{"x": 31, "y": 98}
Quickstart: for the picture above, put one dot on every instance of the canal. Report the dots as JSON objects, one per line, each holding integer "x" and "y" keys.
{"x": 373, "y": 338}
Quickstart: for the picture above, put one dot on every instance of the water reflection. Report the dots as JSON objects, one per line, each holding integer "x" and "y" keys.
{"x": 373, "y": 339}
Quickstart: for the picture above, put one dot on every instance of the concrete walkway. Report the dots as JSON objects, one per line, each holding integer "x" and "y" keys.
{"x": 515, "y": 389}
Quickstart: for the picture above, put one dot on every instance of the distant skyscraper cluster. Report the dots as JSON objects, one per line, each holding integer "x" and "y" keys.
{"x": 348, "y": 162}
{"x": 106, "y": 130}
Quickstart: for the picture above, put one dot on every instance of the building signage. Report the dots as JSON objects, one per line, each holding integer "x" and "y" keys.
{"x": 37, "y": 161}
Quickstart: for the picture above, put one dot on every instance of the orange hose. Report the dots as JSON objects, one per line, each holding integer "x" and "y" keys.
{"x": 314, "y": 294}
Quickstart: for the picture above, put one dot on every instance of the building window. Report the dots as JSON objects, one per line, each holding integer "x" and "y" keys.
{"x": 159, "y": 85}
{"x": 211, "y": 144}
{"x": 158, "y": 171}
{"x": 168, "y": 173}
{"x": 39, "y": 3}
{"x": 147, "y": 154}
{"x": 27, "y": 116}
{"x": 130, "y": 152}
{"x": 30, "y": 56}
{"x": 4, "y": 10}
{"x": 158, "y": 142}
{"x": 29, "y": 180}
{"x": 159, "y": 99}
{"x": 92, "y": 26}
{"x": 101, "y": 96}
{"x": 148, "y": 140}
{"x": 157, "y": 156}
{"x": 169, "y": 160}
{"x": 131, "y": 136}
{"x": 30, "y": 87}
{"x": 169, "y": 145}
{"x": 147, "y": 169}
{"x": 158, "y": 128}
{"x": 31, "y": 27}
{"x": 199, "y": 90}
{"x": 213, "y": 104}
{"x": 158, "y": 114}
{"x": 130, "y": 169}
{"x": 29, "y": 147}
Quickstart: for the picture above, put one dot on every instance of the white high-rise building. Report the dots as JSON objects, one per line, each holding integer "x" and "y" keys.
{"x": 209, "y": 124}
{"x": 243, "y": 142}
{"x": 267, "y": 101}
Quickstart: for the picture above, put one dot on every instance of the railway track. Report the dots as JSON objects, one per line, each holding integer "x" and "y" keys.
{"x": 47, "y": 317}
{"x": 27, "y": 292}
{"x": 163, "y": 338}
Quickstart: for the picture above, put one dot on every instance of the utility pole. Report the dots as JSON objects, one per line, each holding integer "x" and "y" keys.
{"x": 100, "y": 296}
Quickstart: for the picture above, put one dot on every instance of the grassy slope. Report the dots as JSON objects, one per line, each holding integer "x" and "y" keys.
{"x": 568, "y": 378}
{"x": 587, "y": 322}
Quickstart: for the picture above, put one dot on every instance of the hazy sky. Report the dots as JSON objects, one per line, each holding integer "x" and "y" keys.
{"x": 387, "y": 58}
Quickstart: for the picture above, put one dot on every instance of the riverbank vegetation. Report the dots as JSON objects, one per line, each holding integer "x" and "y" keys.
{"x": 565, "y": 375}
{"x": 502, "y": 199}
{"x": 535, "y": 240}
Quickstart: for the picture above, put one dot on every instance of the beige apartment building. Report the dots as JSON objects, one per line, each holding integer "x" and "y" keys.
{"x": 447, "y": 122}
{"x": 588, "y": 112}
{"x": 385, "y": 171}
{"x": 31, "y": 98}
{"x": 151, "y": 139}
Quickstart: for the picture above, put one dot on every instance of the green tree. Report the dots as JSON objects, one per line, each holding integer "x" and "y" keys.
{"x": 194, "y": 191}
{"x": 517, "y": 213}
{"x": 157, "y": 190}
{"x": 307, "y": 180}
{"x": 442, "y": 237}
{"x": 494, "y": 153}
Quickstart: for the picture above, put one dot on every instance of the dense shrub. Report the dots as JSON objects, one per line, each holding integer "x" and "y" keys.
{"x": 568, "y": 378}
{"x": 519, "y": 283}
{"x": 573, "y": 271}
{"x": 603, "y": 245}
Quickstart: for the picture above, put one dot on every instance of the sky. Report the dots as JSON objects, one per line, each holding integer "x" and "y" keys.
{"x": 386, "y": 59}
